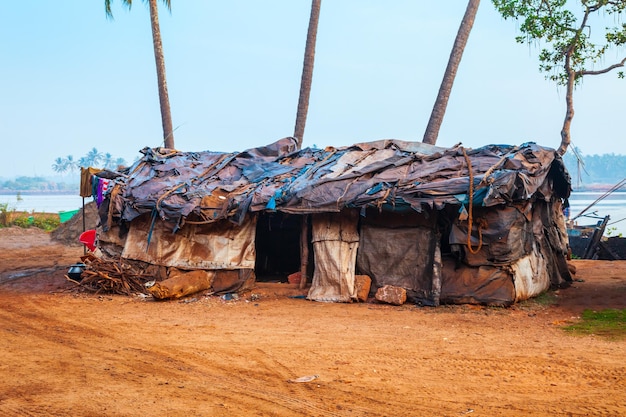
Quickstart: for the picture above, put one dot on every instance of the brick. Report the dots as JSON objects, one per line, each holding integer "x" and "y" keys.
{"x": 362, "y": 283}
{"x": 294, "y": 278}
{"x": 391, "y": 295}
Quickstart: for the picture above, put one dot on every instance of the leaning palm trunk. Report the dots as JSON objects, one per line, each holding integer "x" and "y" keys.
{"x": 164, "y": 100}
{"x": 439, "y": 109}
{"x": 307, "y": 72}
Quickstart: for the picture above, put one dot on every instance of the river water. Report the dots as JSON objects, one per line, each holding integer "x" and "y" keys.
{"x": 43, "y": 203}
{"x": 613, "y": 205}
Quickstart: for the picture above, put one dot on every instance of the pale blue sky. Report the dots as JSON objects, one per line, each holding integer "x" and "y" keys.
{"x": 72, "y": 80}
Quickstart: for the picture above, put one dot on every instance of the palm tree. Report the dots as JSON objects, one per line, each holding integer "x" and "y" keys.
{"x": 63, "y": 165}
{"x": 164, "y": 101}
{"x": 60, "y": 165}
{"x": 107, "y": 161}
{"x": 307, "y": 72}
{"x": 93, "y": 158}
{"x": 72, "y": 165}
{"x": 120, "y": 162}
{"x": 439, "y": 109}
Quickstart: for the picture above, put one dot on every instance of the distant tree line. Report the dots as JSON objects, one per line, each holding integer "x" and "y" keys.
{"x": 588, "y": 170}
{"x": 35, "y": 184}
{"x": 93, "y": 158}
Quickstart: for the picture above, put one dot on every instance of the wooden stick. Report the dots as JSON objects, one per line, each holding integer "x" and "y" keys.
{"x": 304, "y": 250}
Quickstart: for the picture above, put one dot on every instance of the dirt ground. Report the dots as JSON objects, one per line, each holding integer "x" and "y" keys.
{"x": 66, "y": 353}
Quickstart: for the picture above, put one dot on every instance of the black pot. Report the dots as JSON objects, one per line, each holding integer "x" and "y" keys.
{"x": 76, "y": 271}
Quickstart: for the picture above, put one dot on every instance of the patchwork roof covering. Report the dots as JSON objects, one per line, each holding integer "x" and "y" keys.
{"x": 390, "y": 174}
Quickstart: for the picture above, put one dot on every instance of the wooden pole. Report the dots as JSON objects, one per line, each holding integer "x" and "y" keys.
{"x": 437, "y": 271}
{"x": 304, "y": 250}
{"x": 84, "y": 226}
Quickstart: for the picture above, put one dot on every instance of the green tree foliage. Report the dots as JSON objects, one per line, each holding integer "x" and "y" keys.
{"x": 60, "y": 165}
{"x": 572, "y": 41}
{"x": 606, "y": 169}
{"x": 63, "y": 165}
{"x": 91, "y": 159}
{"x": 34, "y": 184}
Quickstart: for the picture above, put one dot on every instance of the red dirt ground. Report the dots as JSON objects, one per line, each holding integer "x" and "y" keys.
{"x": 67, "y": 353}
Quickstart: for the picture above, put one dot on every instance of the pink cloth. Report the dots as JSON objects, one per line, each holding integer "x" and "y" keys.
{"x": 103, "y": 187}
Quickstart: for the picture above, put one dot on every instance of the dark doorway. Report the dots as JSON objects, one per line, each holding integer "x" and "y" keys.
{"x": 277, "y": 246}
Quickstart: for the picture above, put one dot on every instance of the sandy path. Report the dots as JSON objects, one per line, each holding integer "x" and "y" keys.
{"x": 65, "y": 353}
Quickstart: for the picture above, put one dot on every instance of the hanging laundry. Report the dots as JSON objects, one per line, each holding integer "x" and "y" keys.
{"x": 103, "y": 187}
{"x": 86, "y": 180}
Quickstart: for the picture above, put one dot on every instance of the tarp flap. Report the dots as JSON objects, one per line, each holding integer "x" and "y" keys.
{"x": 530, "y": 275}
{"x": 398, "y": 248}
{"x": 484, "y": 284}
{"x": 506, "y": 235}
{"x": 335, "y": 244}
{"x": 220, "y": 245}
{"x": 336, "y": 226}
{"x": 379, "y": 257}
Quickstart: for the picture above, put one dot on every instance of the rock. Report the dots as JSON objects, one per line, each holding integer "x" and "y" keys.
{"x": 391, "y": 295}
{"x": 294, "y": 278}
{"x": 362, "y": 283}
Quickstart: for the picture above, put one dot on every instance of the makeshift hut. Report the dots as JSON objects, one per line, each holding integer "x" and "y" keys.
{"x": 448, "y": 225}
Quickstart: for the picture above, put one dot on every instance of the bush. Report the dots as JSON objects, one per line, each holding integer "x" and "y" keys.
{"x": 45, "y": 221}
{"x": 4, "y": 212}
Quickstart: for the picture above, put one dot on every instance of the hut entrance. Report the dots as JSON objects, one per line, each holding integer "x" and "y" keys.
{"x": 277, "y": 246}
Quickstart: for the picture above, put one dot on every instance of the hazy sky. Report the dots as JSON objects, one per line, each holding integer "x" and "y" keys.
{"x": 72, "y": 79}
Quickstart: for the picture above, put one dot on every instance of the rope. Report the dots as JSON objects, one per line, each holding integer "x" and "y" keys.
{"x": 497, "y": 164}
{"x": 170, "y": 191}
{"x": 470, "y": 219}
{"x": 382, "y": 200}
{"x": 345, "y": 191}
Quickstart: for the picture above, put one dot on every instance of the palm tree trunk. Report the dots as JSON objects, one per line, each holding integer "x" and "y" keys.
{"x": 439, "y": 109}
{"x": 307, "y": 72}
{"x": 164, "y": 100}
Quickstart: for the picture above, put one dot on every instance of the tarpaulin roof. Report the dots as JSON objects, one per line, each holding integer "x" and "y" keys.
{"x": 391, "y": 174}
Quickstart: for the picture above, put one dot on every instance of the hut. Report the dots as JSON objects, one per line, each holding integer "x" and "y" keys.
{"x": 447, "y": 225}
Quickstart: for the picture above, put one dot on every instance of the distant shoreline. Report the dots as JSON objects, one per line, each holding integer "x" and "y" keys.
{"x": 31, "y": 192}
{"x": 597, "y": 188}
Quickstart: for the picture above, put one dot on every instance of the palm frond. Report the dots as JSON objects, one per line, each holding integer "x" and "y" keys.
{"x": 107, "y": 6}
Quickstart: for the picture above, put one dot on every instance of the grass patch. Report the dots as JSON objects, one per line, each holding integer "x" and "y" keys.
{"x": 540, "y": 302}
{"x": 45, "y": 221}
{"x": 610, "y": 323}
{"x": 546, "y": 299}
